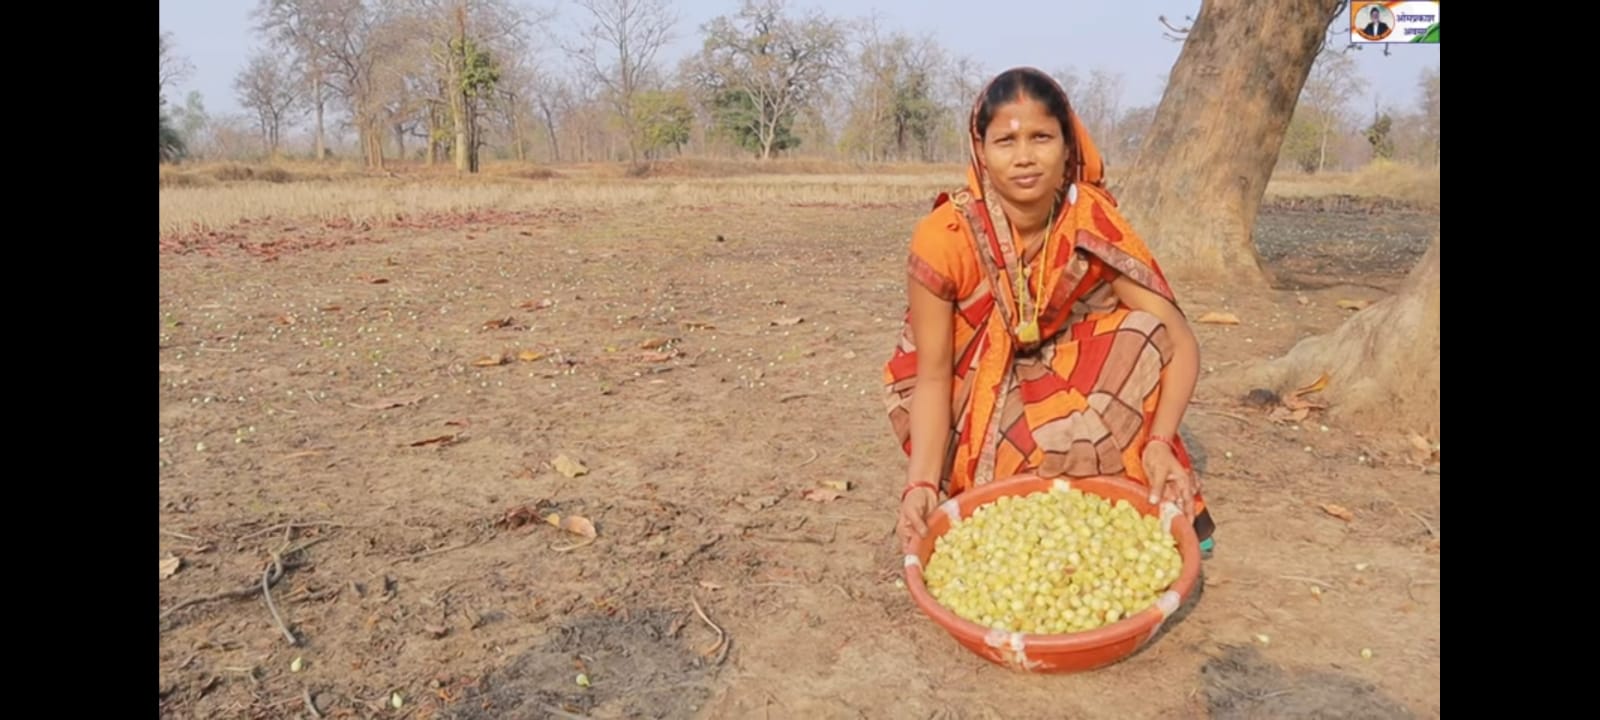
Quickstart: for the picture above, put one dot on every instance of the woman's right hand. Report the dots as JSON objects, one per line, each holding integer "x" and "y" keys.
{"x": 918, "y": 503}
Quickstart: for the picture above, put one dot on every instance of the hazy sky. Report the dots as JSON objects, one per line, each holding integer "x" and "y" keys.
{"x": 1123, "y": 36}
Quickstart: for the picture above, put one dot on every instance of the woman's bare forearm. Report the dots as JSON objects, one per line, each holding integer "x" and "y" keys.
{"x": 1177, "y": 380}
{"x": 930, "y": 428}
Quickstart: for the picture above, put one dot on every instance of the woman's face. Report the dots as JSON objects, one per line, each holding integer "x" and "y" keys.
{"x": 1025, "y": 152}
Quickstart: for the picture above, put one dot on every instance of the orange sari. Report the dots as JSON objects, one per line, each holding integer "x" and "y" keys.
{"x": 1078, "y": 402}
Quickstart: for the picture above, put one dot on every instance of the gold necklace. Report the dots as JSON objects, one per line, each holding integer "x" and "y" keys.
{"x": 1028, "y": 332}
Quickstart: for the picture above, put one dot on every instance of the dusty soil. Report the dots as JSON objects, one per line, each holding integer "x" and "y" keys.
{"x": 373, "y": 415}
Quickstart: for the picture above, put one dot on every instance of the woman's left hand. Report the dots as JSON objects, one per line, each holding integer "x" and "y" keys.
{"x": 1168, "y": 478}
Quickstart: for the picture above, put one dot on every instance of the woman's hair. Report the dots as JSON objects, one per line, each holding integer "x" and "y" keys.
{"x": 1025, "y": 82}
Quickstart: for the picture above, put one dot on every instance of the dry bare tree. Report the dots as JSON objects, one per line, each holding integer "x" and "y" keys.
{"x": 897, "y": 109}
{"x": 342, "y": 42}
{"x": 762, "y": 65}
{"x": 617, "y": 47}
{"x": 270, "y": 90}
{"x": 174, "y": 67}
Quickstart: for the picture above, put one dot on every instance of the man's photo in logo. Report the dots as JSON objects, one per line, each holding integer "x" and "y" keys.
{"x": 1374, "y": 22}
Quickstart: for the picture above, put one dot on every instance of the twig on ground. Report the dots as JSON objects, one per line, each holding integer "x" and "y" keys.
{"x": 266, "y": 592}
{"x": 435, "y": 551}
{"x": 721, "y": 648}
{"x": 833, "y": 534}
{"x": 812, "y": 459}
{"x": 558, "y": 712}
{"x": 291, "y": 526}
{"x": 574, "y": 546}
{"x": 179, "y": 535}
{"x": 1414, "y": 584}
{"x": 1425, "y": 524}
{"x": 794, "y": 396}
{"x": 1312, "y": 580}
{"x": 311, "y": 705}
{"x": 248, "y": 590}
{"x": 1223, "y": 413}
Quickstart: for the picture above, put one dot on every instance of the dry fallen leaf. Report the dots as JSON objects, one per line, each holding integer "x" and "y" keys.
{"x": 1219, "y": 318}
{"x": 530, "y": 356}
{"x": 169, "y": 566}
{"x": 820, "y": 495}
{"x": 784, "y": 322}
{"x": 655, "y": 343}
{"x": 697, "y": 325}
{"x": 1339, "y": 511}
{"x": 575, "y": 524}
{"x": 1422, "y": 451}
{"x": 1354, "y": 304}
{"x": 536, "y": 304}
{"x": 840, "y": 485}
{"x": 758, "y": 504}
{"x": 171, "y": 368}
{"x": 491, "y": 361}
{"x": 707, "y": 584}
{"x": 387, "y": 404}
{"x": 1303, "y": 300}
{"x": 1296, "y": 400}
{"x": 657, "y": 357}
{"x": 568, "y": 467}
{"x": 502, "y": 324}
{"x": 1318, "y": 386}
{"x": 521, "y": 517}
{"x": 440, "y": 440}
{"x": 1283, "y": 414}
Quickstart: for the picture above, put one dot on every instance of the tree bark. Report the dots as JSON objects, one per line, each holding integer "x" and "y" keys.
{"x": 1200, "y": 176}
{"x": 550, "y": 127}
{"x": 458, "y": 92}
{"x": 317, "y": 100}
{"x": 1382, "y": 363}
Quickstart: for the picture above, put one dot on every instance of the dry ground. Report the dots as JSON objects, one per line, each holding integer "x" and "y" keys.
{"x": 385, "y": 395}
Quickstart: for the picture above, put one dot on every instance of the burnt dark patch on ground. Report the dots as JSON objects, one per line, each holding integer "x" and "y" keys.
{"x": 1242, "y": 683}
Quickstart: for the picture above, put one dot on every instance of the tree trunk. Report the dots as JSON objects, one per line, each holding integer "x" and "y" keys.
{"x": 400, "y": 140}
{"x": 459, "y": 111}
{"x": 372, "y": 140}
{"x": 1382, "y": 364}
{"x": 1322, "y": 148}
{"x": 516, "y": 128}
{"x": 1201, "y": 173}
{"x": 550, "y": 127}
{"x": 435, "y": 139}
{"x": 474, "y": 142}
{"x": 321, "y": 142}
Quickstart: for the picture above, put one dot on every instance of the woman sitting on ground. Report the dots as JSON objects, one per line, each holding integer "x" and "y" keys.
{"x": 1041, "y": 336}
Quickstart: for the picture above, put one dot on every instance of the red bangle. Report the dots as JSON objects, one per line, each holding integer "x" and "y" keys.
{"x": 1164, "y": 440}
{"x": 915, "y": 485}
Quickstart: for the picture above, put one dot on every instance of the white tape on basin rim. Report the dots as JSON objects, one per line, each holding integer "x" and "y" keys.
{"x": 1011, "y": 648}
{"x": 913, "y": 561}
{"x": 1061, "y": 485}
{"x": 952, "y": 509}
{"x": 1168, "y": 604}
{"x": 1169, "y": 510}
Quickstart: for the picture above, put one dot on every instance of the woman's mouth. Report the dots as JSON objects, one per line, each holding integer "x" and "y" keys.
{"x": 1026, "y": 181}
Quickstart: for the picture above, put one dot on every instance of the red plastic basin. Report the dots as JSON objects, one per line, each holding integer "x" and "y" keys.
{"x": 1071, "y": 652}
